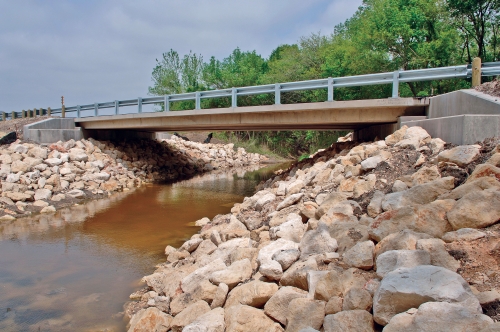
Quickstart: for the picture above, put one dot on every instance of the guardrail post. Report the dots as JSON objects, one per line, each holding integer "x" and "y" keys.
{"x": 476, "y": 72}
{"x": 234, "y": 97}
{"x": 23, "y": 114}
{"x": 117, "y": 105}
{"x": 40, "y": 112}
{"x": 49, "y": 111}
{"x": 139, "y": 105}
{"x": 277, "y": 94}
{"x": 166, "y": 104}
{"x": 96, "y": 109}
{"x": 13, "y": 115}
{"x": 395, "y": 84}
{"x": 4, "y": 116}
{"x": 34, "y": 112}
{"x": 63, "y": 111}
{"x": 330, "y": 89}
{"x": 198, "y": 101}
{"x": 78, "y": 109}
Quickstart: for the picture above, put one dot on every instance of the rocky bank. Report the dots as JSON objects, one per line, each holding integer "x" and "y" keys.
{"x": 39, "y": 178}
{"x": 399, "y": 234}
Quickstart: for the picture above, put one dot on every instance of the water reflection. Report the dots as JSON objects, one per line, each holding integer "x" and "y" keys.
{"x": 75, "y": 269}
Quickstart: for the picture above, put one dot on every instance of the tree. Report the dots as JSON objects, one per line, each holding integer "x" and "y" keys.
{"x": 475, "y": 18}
{"x": 173, "y": 75}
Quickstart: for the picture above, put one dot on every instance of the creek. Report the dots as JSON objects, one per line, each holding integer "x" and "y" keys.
{"x": 75, "y": 269}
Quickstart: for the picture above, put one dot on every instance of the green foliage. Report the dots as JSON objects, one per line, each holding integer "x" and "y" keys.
{"x": 478, "y": 22}
{"x": 383, "y": 35}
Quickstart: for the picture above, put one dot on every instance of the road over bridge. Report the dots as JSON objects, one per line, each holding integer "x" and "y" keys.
{"x": 323, "y": 115}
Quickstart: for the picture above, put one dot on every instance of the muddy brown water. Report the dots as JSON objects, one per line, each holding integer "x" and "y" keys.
{"x": 74, "y": 270}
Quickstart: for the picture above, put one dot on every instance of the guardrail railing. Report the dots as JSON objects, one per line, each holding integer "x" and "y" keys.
{"x": 394, "y": 78}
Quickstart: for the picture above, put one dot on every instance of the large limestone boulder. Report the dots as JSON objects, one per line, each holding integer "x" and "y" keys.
{"x": 206, "y": 247}
{"x": 357, "y": 299}
{"x": 317, "y": 241}
{"x": 220, "y": 296}
{"x": 192, "y": 281}
{"x": 32, "y": 162}
{"x": 419, "y": 194}
{"x": 330, "y": 201}
{"x": 38, "y": 152}
{"x": 53, "y": 162}
{"x": 484, "y": 170}
{"x": 371, "y": 162}
{"x": 237, "y": 272}
{"x": 461, "y": 155}
{"x": 438, "y": 253}
{"x": 212, "y": 321}
{"x": 293, "y": 229}
{"x": 294, "y": 187}
{"x": 296, "y": 275}
{"x": 407, "y": 288}
{"x": 413, "y": 138}
{"x": 352, "y": 320}
{"x": 425, "y": 174}
{"x": 269, "y": 267}
{"x": 394, "y": 259}
{"x": 439, "y": 316}
{"x": 18, "y": 197}
{"x": 477, "y": 209}
{"x": 479, "y": 184}
{"x": 19, "y": 166}
{"x": 396, "y": 136}
{"x": 279, "y": 217}
{"x": 191, "y": 245}
{"x": 402, "y": 240}
{"x": 290, "y": 200}
{"x": 204, "y": 291}
{"x": 45, "y": 194}
{"x": 430, "y": 219}
{"x": 463, "y": 234}
{"x": 278, "y": 304}
{"x": 242, "y": 318}
{"x": 189, "y": 315}
{"x": 375, "y": 206}
{"x": 337, "y": 283}
{"x": 150, "y": 319}
{"x": 303, "y": 312}
{"x": 255, "y": 294}
{"x": 360, "y": 256}
{"x": 347, "y": 234}
{"x": 264, "y": 200}
{"x": 77, "y": 154}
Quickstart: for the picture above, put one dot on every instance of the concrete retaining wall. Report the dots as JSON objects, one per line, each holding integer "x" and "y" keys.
{"x": 460, "y": 129}
{"x": 463, "y": 102}
{"x": 52, "y": 130}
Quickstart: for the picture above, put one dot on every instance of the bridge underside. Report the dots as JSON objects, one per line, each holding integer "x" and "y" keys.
{"x": 320, "y": 116}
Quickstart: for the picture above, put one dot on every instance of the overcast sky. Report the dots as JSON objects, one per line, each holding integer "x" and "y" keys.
{"x": 96, "y": 50}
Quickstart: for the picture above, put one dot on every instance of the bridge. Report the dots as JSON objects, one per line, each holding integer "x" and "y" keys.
{"x": 381, "y": 115}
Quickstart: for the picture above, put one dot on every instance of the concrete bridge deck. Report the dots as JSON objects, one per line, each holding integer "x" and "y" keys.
{"x": 323, "y": 115}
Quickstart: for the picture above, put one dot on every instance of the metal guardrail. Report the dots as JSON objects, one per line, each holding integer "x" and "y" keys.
{"x": 394, "y": 78}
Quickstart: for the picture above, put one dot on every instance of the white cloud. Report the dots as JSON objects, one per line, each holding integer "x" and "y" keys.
{"x": 100, "y": 51}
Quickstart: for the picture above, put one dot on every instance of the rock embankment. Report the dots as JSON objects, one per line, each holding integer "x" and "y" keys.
{"x": 38, "y": 178}
{"x": 357, "y": 238}
{"x": 216, "y": 155}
